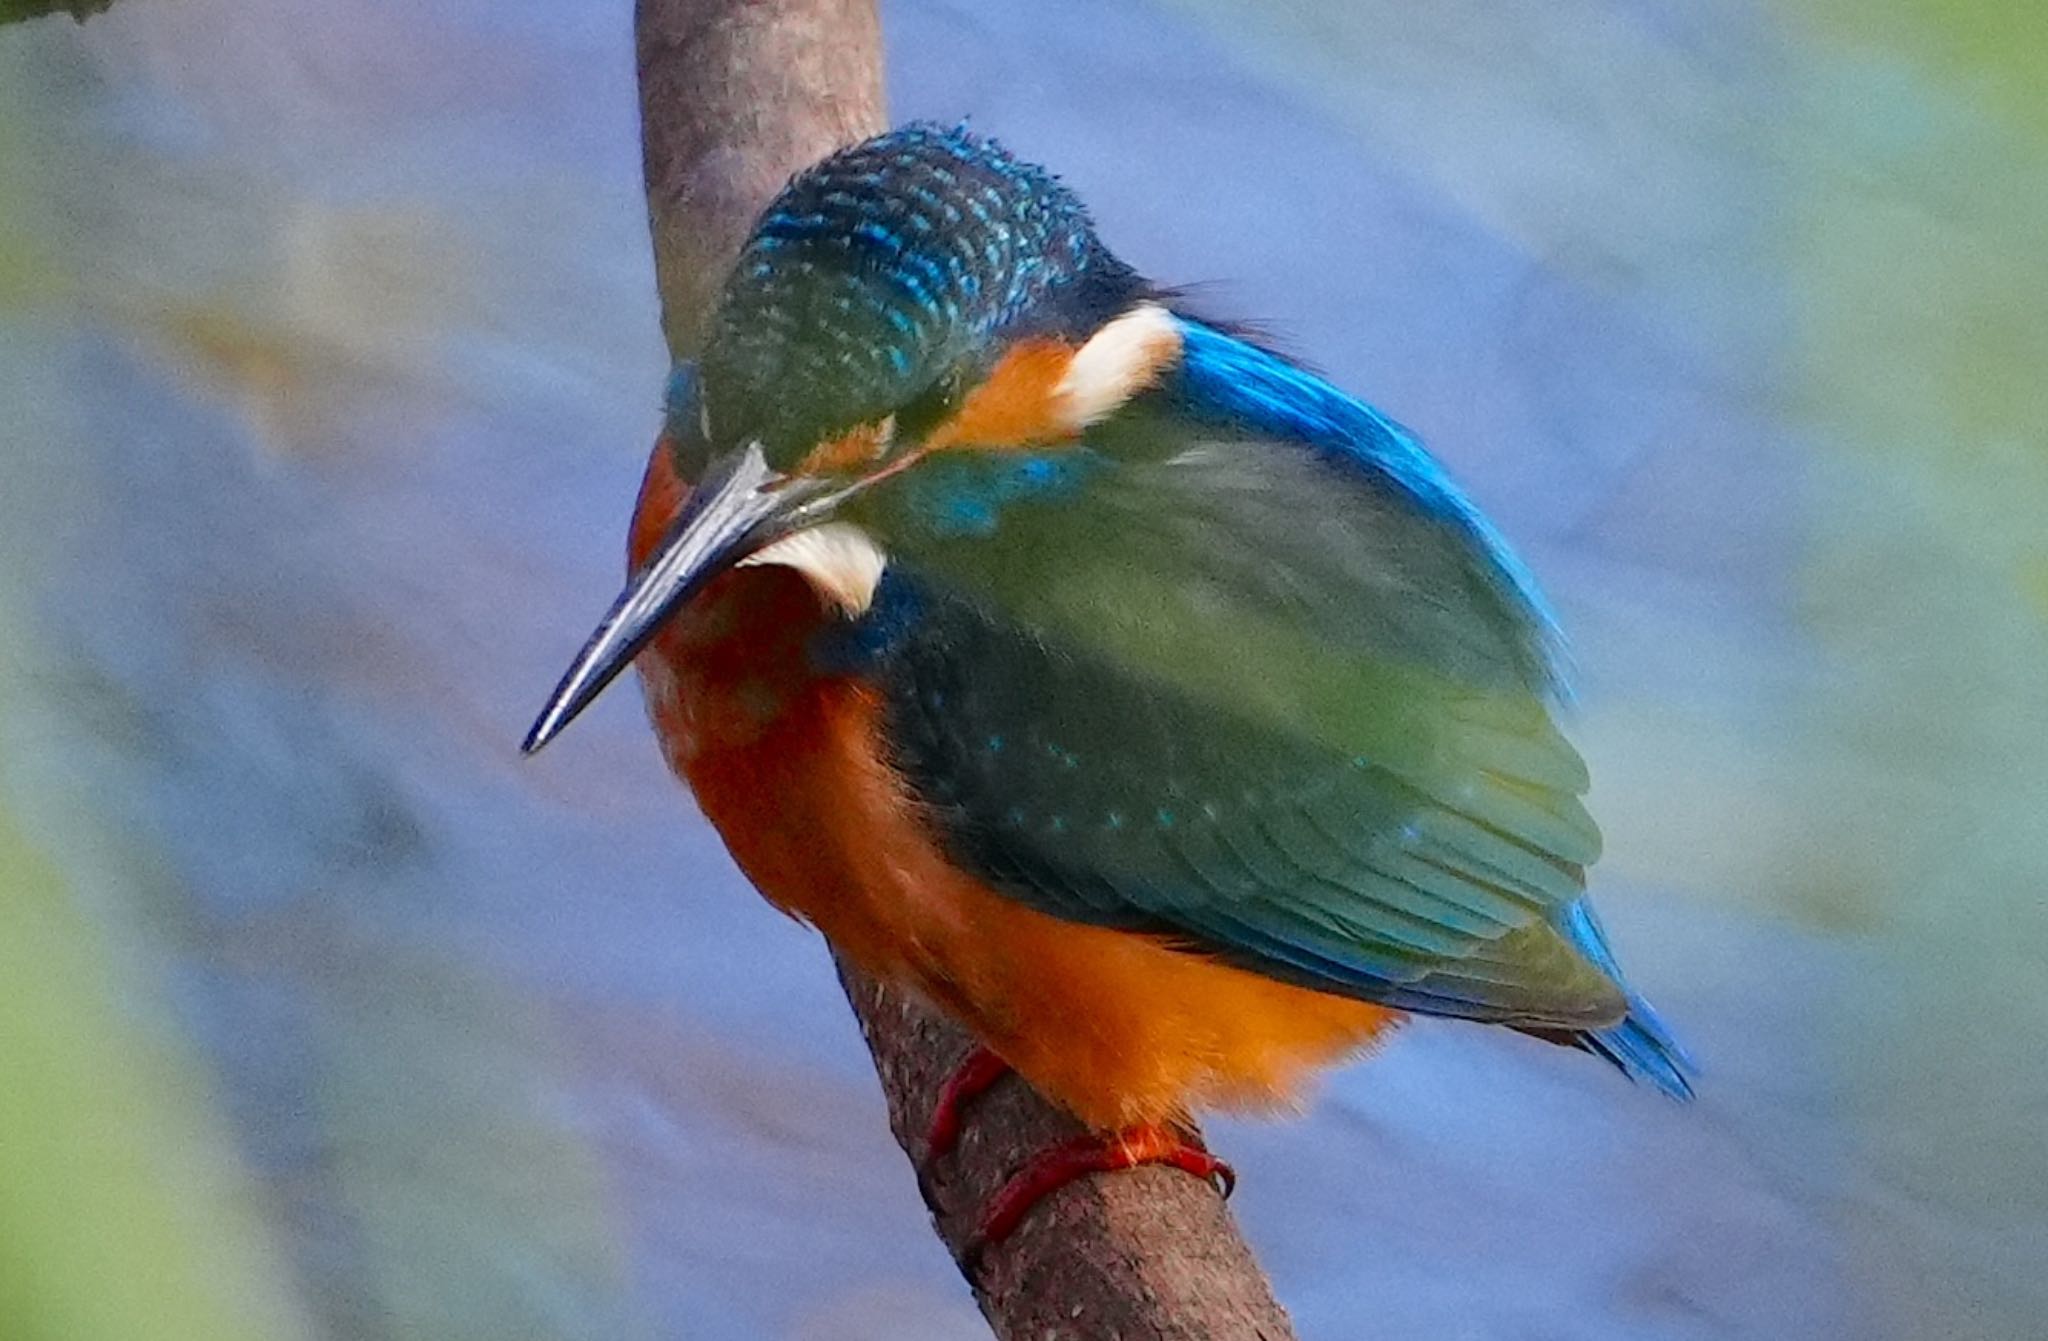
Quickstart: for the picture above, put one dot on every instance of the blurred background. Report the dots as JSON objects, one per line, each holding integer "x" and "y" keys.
{"x": 328, "y": 364}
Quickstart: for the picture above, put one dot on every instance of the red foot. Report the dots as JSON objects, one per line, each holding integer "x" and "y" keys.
{"x": 1053, "y": 1169}
{"x": 968, "y": 1082}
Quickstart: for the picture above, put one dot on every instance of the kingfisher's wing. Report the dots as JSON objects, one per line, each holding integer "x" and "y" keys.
{"x": 1198, "y": 680}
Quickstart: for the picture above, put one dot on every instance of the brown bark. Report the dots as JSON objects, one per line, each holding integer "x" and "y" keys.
{"x": 735, "y": 95}
{"x": 1148, "y": 1255}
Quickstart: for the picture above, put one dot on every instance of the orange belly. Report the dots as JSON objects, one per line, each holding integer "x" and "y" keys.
{"x": 1118, "y": 1027}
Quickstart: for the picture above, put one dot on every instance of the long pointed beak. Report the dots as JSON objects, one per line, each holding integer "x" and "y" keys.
{"x": 731, "y": 514}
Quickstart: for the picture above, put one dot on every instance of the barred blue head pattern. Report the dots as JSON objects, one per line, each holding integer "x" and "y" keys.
{"x": 886, "y": 267}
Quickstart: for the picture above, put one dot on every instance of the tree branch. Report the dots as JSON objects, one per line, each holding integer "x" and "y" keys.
{"x": 735, "y": 95}
{"x": 1148, "y": 1255}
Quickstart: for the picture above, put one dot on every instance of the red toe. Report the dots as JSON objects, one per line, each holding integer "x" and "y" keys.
{"x": 969, "y": 1081}
{"x": 1054, "y": 1168}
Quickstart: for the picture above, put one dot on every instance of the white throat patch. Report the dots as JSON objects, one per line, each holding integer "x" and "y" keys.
{"x": 839, "y": 559}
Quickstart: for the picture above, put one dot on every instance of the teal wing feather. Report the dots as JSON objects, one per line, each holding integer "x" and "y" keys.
{"x": 1225, "y": 691}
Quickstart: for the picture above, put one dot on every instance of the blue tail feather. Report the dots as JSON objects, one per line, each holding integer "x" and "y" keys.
{"x": 1641, "y": 1045}
{"x": 1645, "y": 1051}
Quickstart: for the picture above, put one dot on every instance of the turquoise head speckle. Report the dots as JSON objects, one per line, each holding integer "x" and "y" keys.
{"x": 885, "y": 274}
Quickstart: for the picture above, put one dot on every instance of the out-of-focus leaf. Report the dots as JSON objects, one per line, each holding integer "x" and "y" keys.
{"x": 12, "y": 11}
{"x": 122, "y": 1211}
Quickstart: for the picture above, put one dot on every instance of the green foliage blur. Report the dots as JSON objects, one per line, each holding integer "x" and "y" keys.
{"x": 122, "y": 1212}
{"x": 12, "y": 11}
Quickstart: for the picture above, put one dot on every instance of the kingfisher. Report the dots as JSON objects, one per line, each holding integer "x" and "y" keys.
{"x": 1089, "y": 668}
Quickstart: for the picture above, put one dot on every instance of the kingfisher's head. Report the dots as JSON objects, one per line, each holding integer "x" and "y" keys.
{"x": 889, "y": 278}
{"x": 918, "y": 293}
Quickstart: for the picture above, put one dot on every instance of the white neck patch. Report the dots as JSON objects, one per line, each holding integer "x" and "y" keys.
{"x": 1123, "y": 358}
{"x": 838, "y": 558}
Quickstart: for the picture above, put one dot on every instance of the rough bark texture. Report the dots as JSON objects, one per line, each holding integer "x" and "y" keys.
{"x": 735, "y": 95}
{"x": 1148, "y": 1255}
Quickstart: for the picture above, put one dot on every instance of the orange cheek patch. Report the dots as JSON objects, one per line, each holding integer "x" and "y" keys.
{"x": 849, "y": 453}
{"x": 1016, "y": 405}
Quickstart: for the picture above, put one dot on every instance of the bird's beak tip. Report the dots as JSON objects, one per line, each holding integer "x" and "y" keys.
{"x": 546, "y": 726}
{"x": 722, "y": 516}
